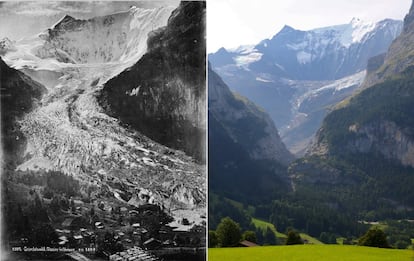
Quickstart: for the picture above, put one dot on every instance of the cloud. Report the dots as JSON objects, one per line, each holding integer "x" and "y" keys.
{"x": 81, "y": 9}
{"x": 48, "y": 8}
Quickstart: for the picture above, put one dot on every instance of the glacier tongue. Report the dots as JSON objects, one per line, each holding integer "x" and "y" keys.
{"x": 69, "y": 131}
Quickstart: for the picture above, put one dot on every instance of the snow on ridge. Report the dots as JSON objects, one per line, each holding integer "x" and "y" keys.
{"x": 242, "y": 49}
{"x": 350, "y": 33}
{"x": 245, "y": 60}
{"x": 346, "y": 82}
{"x": 361, "y": 28}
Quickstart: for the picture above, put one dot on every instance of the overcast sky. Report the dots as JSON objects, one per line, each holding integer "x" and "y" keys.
{"x": 231, "y": 23}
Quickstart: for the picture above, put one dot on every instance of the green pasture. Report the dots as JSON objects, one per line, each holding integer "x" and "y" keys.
{"x": 309, "y": 252}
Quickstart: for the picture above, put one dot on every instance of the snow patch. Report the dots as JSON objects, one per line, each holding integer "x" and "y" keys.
{"x": 360, "y": 29}
{"x": 347, "y": 82}
{"x": 245, "y": 60}
{"x": 133, "y": 92}
{"x": 259, "y": 79}
{"x": 303, "y": 57}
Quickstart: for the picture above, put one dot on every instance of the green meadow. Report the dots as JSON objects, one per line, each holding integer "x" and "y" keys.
{"x": 309, "y": 252}
{"x": 263, "y": 225}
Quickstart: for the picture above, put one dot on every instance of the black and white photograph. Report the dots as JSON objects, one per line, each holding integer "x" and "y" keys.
{"x": 103, "y": 130}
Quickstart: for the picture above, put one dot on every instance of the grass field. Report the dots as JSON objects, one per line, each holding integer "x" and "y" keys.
{"x": 309, "y": 252}
{"x": 263, "y": 225}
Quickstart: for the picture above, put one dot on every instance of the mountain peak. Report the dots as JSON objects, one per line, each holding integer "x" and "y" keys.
{"x": 67, "y": 18}
{"x": 63, "y": 22}
{"x": 222, "y": 50}
{"x": 287, "y": 28}
{"x": 356, "y": 20}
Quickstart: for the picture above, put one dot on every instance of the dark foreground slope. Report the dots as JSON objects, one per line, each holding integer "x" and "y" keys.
{"x": 163, "y": 95}
{"x": 247, "y": 160}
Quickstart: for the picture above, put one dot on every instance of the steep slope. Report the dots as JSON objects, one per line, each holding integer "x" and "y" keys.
{"x": 19, "y": 95}
{"x": 246, "y": 155}
{"x": 245, "y": 123}
{"x": 163, "y": 95}
{"x": 366, "y": 147}
{"x": 278, "y": 73}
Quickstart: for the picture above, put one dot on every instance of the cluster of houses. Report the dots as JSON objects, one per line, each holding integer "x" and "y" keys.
{"x": 74, "y": 228}
{"x": 133, "y": 254}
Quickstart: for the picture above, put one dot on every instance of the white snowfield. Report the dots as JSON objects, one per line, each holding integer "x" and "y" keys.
{"x": 70, "y": 132}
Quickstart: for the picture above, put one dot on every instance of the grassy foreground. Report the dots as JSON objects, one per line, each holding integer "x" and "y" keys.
{"x": 309, "y": 252}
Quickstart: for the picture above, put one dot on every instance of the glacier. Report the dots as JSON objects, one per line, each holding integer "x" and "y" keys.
{"x": 70, "y": 132}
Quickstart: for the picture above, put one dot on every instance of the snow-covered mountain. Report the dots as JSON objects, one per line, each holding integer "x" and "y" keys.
{"x": 115, "y": 37}
{"x": 295, "y": 63}
{"x": 321, "y": 54}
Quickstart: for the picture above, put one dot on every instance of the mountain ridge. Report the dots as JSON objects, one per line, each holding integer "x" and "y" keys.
{"x": 278, "y": 72}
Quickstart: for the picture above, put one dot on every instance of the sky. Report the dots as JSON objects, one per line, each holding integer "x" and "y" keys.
{"x": 231, "y": 23}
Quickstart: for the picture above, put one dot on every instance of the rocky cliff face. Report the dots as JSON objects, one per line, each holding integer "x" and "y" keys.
{"x": 163, "y": 95}
{"x": 247, "y": 160}
{"x": 383, "y": 137}
{"x": 19, "y": 95}
{"x": 245, "y": 123}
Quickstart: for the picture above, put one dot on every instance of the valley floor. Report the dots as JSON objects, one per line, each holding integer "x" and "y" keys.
{"x": 310, "y": 252}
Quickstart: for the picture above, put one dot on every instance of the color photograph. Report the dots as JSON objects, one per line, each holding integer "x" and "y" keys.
{"x": 311, "y": 145}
